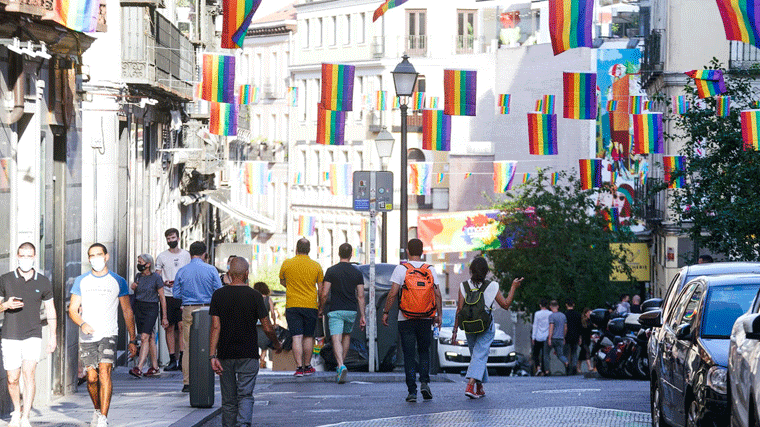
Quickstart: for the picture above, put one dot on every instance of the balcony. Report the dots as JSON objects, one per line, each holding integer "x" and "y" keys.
{"x": 743, "y": 57}
{"x": 465, "y": 44}
{"x": 378, "y": 47}
{"x": 652, "y": 206}
{"x": 415, "y": 45}
{"x": 653, "y": 57}
{"x": 156, "y": 56}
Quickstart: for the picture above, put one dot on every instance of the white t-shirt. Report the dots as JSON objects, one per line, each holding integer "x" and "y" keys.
{"x": 399, "y": 273}
{"x": 541, "y": 325}
{"x": 489, "y": 295}
{"x": 100, "y": 303}
{"x": 169, "y": 263}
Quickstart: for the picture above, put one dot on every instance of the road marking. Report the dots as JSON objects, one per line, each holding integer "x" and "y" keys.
{"x": 327, "y": 396}
{"x": 360, "y": 382}
{"x": 569, "y": 390}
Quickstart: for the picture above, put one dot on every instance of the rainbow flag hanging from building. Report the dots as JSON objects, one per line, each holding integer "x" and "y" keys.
{"x": 680, "y": 105}
{"x": 503, "y": 174}
{"x": 542, "y": 134}
{"x": 223, "y": 119}
{"x": 218, "y": 78}
{"x": 338, "y": 87}
{"x": 78, "y": 15}
{"x": 307, "y": 224}
{"x": 647, "y": 133}
{"x": 340, "y": 179}
{"x": 293, "y": 96}
{"x": 722, "y": 106}
{"x": 673, "y": 165}
{"x": 591, "y": 173}
{"x": 245, "y": 94}
{"x": 237, "y": 17}
{"x": 396, "y": 102}
{"x": 554, "y": 178}
{"x": 741, "y": 20}
{"x": 570, "y": 24}
{"x": 331, "y": 126}
{"x": 256, "y": 175}
{"x": 750, "y": 129}
{"x": 709, "y": 82}
{"x": 436, "y": 130}
{"x": 460, "y": 92}
{"x": 197, "y": 91}
{"x": 579, "y": 96}
{"x": 636, "y": 104}
{"x": 547, "y": 104}
{"x": 388, "y": 4}
{"x": 381, "y": 103}
{"x": 612, "y": 106}
{"x": 418, "y": 101}
{"x": 420, "y": 178}
{"x": 503, "y": 104}
{"x": 525, "y": 178}
{"x": 433, "y": 102}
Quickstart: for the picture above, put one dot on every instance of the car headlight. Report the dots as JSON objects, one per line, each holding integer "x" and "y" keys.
{"x": 716, "y": 379}
{"x": 447, "y": 341}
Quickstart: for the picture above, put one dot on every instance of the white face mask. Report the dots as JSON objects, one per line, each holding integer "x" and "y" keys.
{"x": 98, "y": 263}
{"x": 25, "y": 264}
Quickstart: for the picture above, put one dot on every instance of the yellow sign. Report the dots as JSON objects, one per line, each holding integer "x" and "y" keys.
{"x": 637, "y": 258}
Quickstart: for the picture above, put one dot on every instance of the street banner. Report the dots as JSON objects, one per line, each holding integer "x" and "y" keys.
{"x": 637, "y": 258}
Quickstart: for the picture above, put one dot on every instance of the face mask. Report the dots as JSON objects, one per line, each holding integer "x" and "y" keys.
{"x": 98, "y": 263}
{"x": 228, "y": 268}
{"x": 141, "y": 267}
{"x": 25, "y": 264}
{"x": 172, "y": 244}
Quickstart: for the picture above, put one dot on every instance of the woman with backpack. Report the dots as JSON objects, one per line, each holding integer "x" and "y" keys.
{"x": 476, "y": 298}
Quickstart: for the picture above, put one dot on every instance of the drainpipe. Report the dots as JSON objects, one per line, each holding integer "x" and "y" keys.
{"x": 12, "y": 115}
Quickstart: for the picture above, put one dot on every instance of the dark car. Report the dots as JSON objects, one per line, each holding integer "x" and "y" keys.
{"x": 689, "y": 366}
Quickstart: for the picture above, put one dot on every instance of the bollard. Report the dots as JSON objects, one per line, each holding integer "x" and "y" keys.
{"x": 201, "y": 374}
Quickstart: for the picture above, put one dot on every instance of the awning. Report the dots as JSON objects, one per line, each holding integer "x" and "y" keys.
{"x": 242, "y": 214}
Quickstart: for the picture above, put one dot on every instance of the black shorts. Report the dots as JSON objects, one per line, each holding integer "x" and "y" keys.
{"x": 301, "y": 321}
{"x": 146, "y": 314}
{"x": 173, "y": 310}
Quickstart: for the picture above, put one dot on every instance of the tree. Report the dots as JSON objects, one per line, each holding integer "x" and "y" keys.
{"x": 718, "y": 206}
{"x": 563, "y": 250}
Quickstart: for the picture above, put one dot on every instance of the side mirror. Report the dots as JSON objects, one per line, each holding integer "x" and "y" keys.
{"x": 651, "y": 319}
{"x": 752, "y": 327}
{"x": 683, "y": 332}
{"x": 651, "y": 304}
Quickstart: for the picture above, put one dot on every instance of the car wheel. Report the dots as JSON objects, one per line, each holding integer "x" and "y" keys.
{"x": 656, "y": 407}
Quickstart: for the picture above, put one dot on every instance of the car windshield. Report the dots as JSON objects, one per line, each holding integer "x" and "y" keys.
{"x": 448, "y": 317}
{"x": 724, "y": 305}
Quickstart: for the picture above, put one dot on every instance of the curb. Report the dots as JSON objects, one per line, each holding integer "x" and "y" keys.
{"x": 329, "y": 377}
{"x": 197, "y": 418}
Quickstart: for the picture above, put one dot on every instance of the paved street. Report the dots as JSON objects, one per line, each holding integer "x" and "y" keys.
{"x": 510, "y": 401}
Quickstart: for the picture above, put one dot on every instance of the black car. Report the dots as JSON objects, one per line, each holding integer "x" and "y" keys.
{"x": 689, "y": 364}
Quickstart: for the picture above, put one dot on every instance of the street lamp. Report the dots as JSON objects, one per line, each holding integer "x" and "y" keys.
{"x": 404, "y": 79}
{"x": 384, "y": 144}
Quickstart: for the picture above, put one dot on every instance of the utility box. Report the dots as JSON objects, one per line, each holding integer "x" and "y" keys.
{"x": 201, "y": 374}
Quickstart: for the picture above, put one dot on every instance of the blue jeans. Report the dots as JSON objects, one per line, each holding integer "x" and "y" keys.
{"x": 237, "y": 381}
{"x": 480, "y": 345}
{"x": 416, "y": 336}
{"x": 558, "y": 344}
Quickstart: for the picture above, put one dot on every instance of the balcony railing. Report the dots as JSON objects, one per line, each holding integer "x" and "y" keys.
{"x": 416, "y": 45}
{"x": 653, "y": 57}
{"x": 378, "y": 47}
{"x": 743, "y": 56}
{"x": 465, "y": 44}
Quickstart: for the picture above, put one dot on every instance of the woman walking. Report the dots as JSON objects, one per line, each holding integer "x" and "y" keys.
{"x": 263, "y": 341}
{"x": 149, "y": 291}
{"x": 480, "y": 343}
{"x": 586, "y": 327}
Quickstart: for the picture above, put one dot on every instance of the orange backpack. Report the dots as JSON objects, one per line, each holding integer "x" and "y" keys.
{"x": 417, "y": 300}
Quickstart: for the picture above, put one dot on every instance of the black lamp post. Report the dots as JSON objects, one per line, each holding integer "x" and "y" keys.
{"x": 404, "y": 79}
{"x": 384, "y": 144}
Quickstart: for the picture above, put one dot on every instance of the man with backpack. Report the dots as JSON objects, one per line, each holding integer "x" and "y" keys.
{"x": 417, "y": 286}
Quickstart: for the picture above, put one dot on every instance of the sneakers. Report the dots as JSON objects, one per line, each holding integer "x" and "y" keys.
{"x": 95, "y": 418}
{"x": 480, "y": 392}
{"x": 152, "y": 372}
{"x": 470, "y": 391}
{"x": 425, "y": 391}
{"x": 102, "y": 421}
{"x": 341, "y": 378}
{"x": 15, "y": 419}
{"x": 299, "y": 372}
{"x": 308, "y": 370}
{"x": 412, "y": 397}
{"x": 135, "y": 372}
{"x": 25, "y": 422}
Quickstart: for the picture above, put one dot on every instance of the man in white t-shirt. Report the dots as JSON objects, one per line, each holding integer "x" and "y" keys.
{"x": 99, "y": 293}
{"x": 168, "y": 263}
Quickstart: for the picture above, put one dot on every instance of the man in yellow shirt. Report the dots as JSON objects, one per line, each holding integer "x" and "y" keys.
{"x": 302, "y": 278}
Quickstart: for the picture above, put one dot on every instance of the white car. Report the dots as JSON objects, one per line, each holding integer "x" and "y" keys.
{"x": 456, "y": 356}
{"x": 744, "y": 369}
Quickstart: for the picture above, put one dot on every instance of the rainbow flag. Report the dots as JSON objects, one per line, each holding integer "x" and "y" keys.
{"x": 547, "y": 105}
{"x": 256, "y": 94}
{"x": 78, "y": 15}
{"x": 381, "y": 103}
{"x": 570, "y": 24}
{"x": 636, "y": 104}
{"x": 245, "y": 94}
{"x": 293, "y": 96}
{"x": 741, "y": 20}
{"x": 539, "y": 106}
{"x": 612, "y": 105}
{"x": 396, "y": 102}
{"x": 754, "y": 105}
{"x": 554, "y": 178}
{"x": 307, "y": 224}
{"x": 388, "y": 4}
{"x": 460, "y": 92}
{"x": 591, "y": 173}
{"x": 709, "y": 82}
{"x": 503, "y": 174}
{"x": 331, "y": 126}
{"x": 467, "y": 175}
{"x": 338, "y": 87}
{"x": 750, "y": 129}
{"x": 680, "y": 105}
{"x": 503, "y": 105}
{"x": 440, "y": 178}
{"x": 525, "y": 178}
{"x": 237, "y": 17}
{"x": 579, "y": 96}
{"x": 674, "y": 165}
{"x": 433, "y": 102}
{"x": 197, "y": 91}
{"x": 542, "y": 134}
{"x": 611, "y": 217}
{"x": 418, "y": 101}
{"x": 420, "y": 178}
{"x": 722, "y": 106}
{"x": 436, "y": 130}
{"x": 643, "y": 173}
{"x": 223, "y": 119}
{"x": 340, "y": 179}
{"x": 256, "y": 175}
{"x": 218, "y": 78}
{"x": 647, "y": 133}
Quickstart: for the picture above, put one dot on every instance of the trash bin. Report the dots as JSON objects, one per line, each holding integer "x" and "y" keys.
{"x": 201, "y": 374}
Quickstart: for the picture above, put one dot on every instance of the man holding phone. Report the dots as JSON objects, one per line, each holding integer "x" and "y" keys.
{"x": 23, "y": 290}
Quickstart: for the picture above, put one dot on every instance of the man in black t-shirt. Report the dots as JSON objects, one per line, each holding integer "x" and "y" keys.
{"x": 345, "y": 284}
{"x": 22, "y": 291}
{"x": 234, "y": 311}
{"x": 573, "y": 336}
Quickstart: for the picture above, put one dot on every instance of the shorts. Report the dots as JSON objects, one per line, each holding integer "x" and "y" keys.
{"x": 173, "y": 310}
{"x": 301, "y": 321}
{"x": 341, "y": 321}
{"x": 14, "y": 351}
{"x": 146, "y": 314}
{"x": 91, "y": 354}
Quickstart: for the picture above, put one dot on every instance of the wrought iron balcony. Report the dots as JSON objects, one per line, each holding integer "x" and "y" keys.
{"x": 653, "y": 57}
{"x": 743, "y": 56}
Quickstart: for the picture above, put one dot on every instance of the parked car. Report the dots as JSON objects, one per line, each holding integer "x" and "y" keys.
{"x": 689, "y": 367}
{"x": 743, "y": 361}
{"x": 455, "y": 356}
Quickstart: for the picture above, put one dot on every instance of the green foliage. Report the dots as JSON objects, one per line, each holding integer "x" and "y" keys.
{"x": 718, "y": 208}
{"x": 269, "y": 274}
{"x": 563, "y": 251}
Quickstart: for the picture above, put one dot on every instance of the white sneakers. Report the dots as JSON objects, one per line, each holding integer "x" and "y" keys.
{"x": 95, "y": 418}
{"x": 102, "y": 421}
{"x": 25, "y": 422}
{"x": 15, "y": 419}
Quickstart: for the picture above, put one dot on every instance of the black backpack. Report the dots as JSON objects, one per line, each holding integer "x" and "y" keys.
{"x": 474, "y": 316}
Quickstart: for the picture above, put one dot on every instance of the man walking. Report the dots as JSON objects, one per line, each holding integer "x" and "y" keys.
{"x": 22, "y": 292}
{"x": 168, "y": 263}
{"x": 538, "y": 339}
{"x": 419, "y": 307}
{"x": 345, "y": 284}
{"x": 573, "y": 336}
{"x": 234, "y": 311}
{"x": 301, "y": 276}
{"x": 99, "y": 293}
{"x": 194, "y": 284}
{"x": 557, "y": 332}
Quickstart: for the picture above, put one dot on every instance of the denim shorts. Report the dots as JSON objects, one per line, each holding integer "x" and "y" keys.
{"x": 94, "y": 353}
{"x": 341, "y": 321}
{"x": 301, "y": 321}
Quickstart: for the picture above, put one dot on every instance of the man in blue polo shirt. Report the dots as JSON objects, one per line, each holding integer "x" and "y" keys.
{"x": 194, "y": 284}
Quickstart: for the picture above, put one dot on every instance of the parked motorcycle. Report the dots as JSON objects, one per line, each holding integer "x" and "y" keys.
{"x": 620, "y": 351}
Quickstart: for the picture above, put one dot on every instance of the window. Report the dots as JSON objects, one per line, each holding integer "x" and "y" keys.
{"x": 302, "y": 100}
{"x": 362, "y": 33}
{"x": 257, "y": 125}
{"x": 416, "y": 32}
{"x": 465, "y": 31}
{"x": 305, "y": 34}
{"x": 320, "y": 32}
{"x": 333, "y": 30}
{"x": 257, "y": 70}
{"x": 347, "y": 30}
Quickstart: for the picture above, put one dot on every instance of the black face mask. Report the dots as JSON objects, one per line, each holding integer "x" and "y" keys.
{"x": 141, "y": 267}
{"x": 173, "y": 244}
